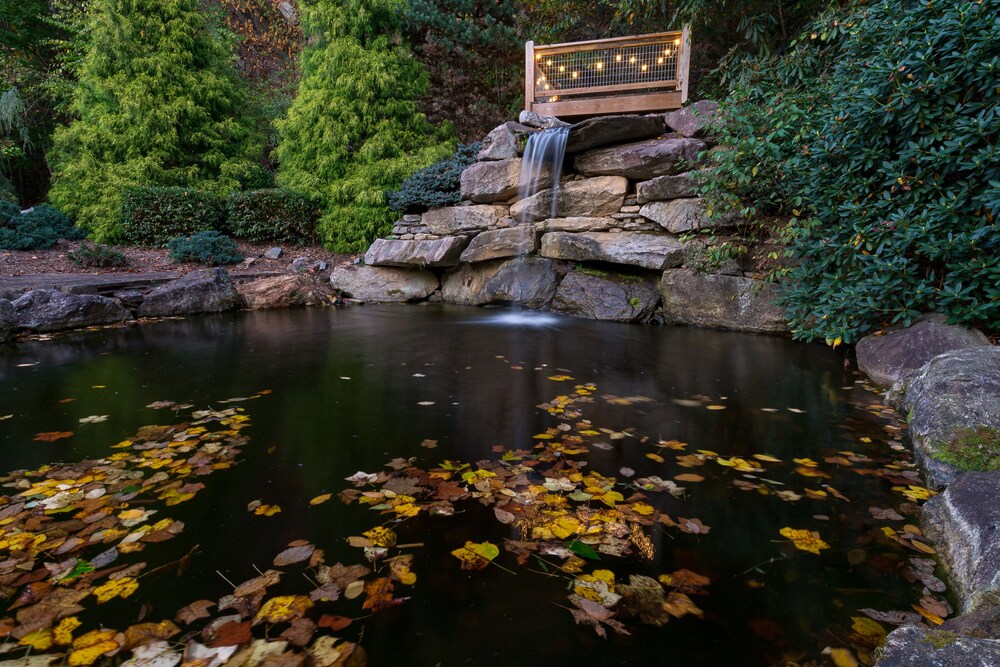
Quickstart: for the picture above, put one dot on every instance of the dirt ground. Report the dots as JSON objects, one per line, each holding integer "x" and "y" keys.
{"x": 146, "y": 260}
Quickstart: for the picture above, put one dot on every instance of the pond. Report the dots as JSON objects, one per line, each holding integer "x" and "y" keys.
{"x": 719, "y": 444}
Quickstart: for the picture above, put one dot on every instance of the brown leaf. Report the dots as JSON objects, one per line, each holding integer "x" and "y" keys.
{"x": 194, "y": 611}
{"x": 256, "y": 584}
{"x": 294, "y": 555}
{"x": 379, "y": 595}
{"x": 342, "y": 575}
{"x": 335, "y": 623}
{"x": 31, "y": 594}
{"x": 326, "y": 593}
{"x": 689, "y": 477}
{"x": 885, "y": 514}
{"x": 300, "y": 632}
{"x": 232, "y": 633}
{"x": 245, "y": 606}
{"x": 591, "y": 613}
{"x": 52, "y": 436}
{"x": 140, "y": 634}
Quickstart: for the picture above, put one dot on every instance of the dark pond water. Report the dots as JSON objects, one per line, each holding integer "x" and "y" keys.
{"x": 352, "y": 389}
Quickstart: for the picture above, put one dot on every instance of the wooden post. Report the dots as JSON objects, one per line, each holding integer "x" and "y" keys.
{"x": 529, "y": 75}
{"x": 684, "y": 64}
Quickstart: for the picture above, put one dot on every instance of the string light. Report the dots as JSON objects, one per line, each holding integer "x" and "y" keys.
{"x": 599, "y": 65}
{"x": 659, "y": 61}
{"x": 576, "y": 74}
{"x": 644, "y": 67}
{"x": 562, "y": 68}
{"x": 618, "y": 58}
{"x": 632, "y": 60}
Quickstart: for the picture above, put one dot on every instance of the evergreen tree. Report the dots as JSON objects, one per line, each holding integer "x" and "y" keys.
{"x": 354, "y": 131}
{"x": 158, "y": 103}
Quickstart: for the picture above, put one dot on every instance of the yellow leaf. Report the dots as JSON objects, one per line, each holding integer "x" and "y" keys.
{"x": 871, "y": 630}
{"x": 655, "y": 457}
{"x": 715, "y": 407}
{"x": 63, "y": 633}
{"x": 266, "y": 510}
{"x": 114, "y": 588}
{"x": 643, "y": 508}
{"x": 380, "y": 536}
{"x": 766, "y": 457}
{"x": 128, "y": 515}
{"x": 476, "y": 556}
{"x": 318, "y": 500}
{"x": 809, "y": 463}
{"x": 283, "y": 608}
{"x": 610, "y": 498}
{"x": 91, "y": 646}
{"x": 39, "y": 640}
{"x": 566, "y": 526}
{"x": 842, "y": 657}
{"x": 805, "y": 540}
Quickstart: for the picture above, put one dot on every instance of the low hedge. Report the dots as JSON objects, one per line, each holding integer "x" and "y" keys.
{"x": 210, "y": 247}
{"x": 37, "y": 229}
{"x": 154, "y": 216}
{"x": 272, "y": 216}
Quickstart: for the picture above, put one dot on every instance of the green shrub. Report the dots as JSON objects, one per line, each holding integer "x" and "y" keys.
{"x": 37, "y": 229}
{"x": 211, "y": 248}
{"x": 279, "y": 216}
{"x": 8, "y": 211}
{"x": 96, "y": 255}
{"x": 902, "y": 175}
{"x": 153, "y": 216}
{"x": 436, "y": 185}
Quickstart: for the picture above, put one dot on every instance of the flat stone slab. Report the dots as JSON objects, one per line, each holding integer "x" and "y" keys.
{"x": 383, "y": 284}
{"x": 964, "y": 522}
{"x": 607, "y": 130}
{"x": 643, "y": 249}
{"x": 694, "y": 119}
{"x": 576, "y": 224}
{"x": 608, "y": 296}
{"x": 680, "y": 215}
{"x": 500, "y": 243}
{"x": 286, "y": 291}
{"x": 588, "y": 198}
{"x": 419, "y": 254}
{"x": 720, "y": 302}
{"x": 912, "y": 646}
{"x": 953, "y": 391}
{"x": 76, "y": 283}
{"x": 45, "y": 310}
{"x": 203, "y": 291}
{"x": 642, "y": 160}
{"x": 447, "y": 220}
{"x": 664, "y": 188}
{"x": 889, "y": 358}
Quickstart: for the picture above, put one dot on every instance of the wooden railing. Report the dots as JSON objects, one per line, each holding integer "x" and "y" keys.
{"x": 606, "y": 76}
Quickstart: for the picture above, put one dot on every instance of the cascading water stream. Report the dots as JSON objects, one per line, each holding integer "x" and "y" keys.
{"x": 543, "y": 156}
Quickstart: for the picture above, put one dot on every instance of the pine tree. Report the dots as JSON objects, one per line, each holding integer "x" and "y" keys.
{"x": 158, "y": 103}
{"x": 354, "y": 132}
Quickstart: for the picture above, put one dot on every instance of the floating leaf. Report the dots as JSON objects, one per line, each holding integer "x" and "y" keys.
{"x": 294, "y": 555}
{"x": 115, "y": 588}
{"x": 267, "y": 510}
{"x": 319, "y": 500}
{"x": 476, "y": 556}
{"x": 52, "y": 436}
{"x": 94, "y": 419}
{"x": 805, "y": 540}
{"x": 91, "y": 646}
{"x": 40, "y": 639}
{"x": 283, "y": 608}
{"x": 689, "y": 477}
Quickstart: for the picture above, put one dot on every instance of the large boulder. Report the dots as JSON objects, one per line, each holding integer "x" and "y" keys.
{"x": 419, "y": 254}
{"x": 287, "y": 291}
{"x": 504, "y": 142}
{"x": 383, "y": 284}
{"x": 529, "y": 281}
{"x": 498, "y": 181}
{"x": 44, "y": 310}
{"x": 888, "y": 358}
{"x": 641, "y": 160}
{"x": 642, "y": 249}
{"x": 964, "y": 523}
{"x": 681, "y": 215}
{"x": 663, "y": 188}
{"x": 533, "y": 119}
{"x": 606, "y": 296}
{"x": 954, "y": 391}
{"x": 447, "y": 220}
{"x": 204, "y": 291}
{"x": 918, "y": 646}
{"x": 694, "y": 119}
{"x": 607, "y": 130}
{"x": 576, "y": 224}
{"x": 8, "y": 320}
{"x": 718, "y": 301}
{"x": 500, "y": 243}
{"x": 587, "y": 198}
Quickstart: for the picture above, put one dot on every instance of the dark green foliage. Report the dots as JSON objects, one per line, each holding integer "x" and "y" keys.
{"x": 153, "y": 216}
{"x": 903, "y": 175}
{"x": 8, "y": 210}
{"x": 158, "y": 103}
{"x": 278, "y": 216}
{"x": 38, "y": 229}
{"x": 354, "y": 133}
{"x": 973, "y": 449}
{"x": 436, "y": 185}
{"x": 211, "y": 248}
{"x": 96, "y": 255}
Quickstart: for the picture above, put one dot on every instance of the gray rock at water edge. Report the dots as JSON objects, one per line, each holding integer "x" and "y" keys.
{"x": 607, "y": 130}
{"x": 682, "y": 215}
{"x": 447, "y": 220}
{"x": 498, "y": 181}
{"x": 983, "y": 622}
{"x": 204, "y": 291}
{"x": 664, "y": 188}
{"x": 889, "y": 358}
{"x": 45, "y": 310}
{"x": 954, "y": 390}
{"x": 8, "y": 320}
{"x": 416, "y": 254}
{"x": 500, "y": 243}
{"x": 642, "y": 249}
{"x": 273, "y": 253}
{"x": 720, "y": 302}
{"x": 918, "y": 646}
{"x": 532, "y": 119}
{"x": 383, "y": 284}
{"x": 576, "y": 224}
{"x": 610, "y": 296}
{"x": 964, "y": 522}
{"x": 641, "y": 160}
{"x": 694, "y": 120}
{"x": 287, "y": 291}
{"x": 529, "y": 281}
{"x": 504, "y": 142}
{"x": 300, "y": 264}
{"x": 587, "y": 198}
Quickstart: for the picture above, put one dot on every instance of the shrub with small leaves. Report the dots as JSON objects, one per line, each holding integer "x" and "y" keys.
{"x": 272, "y": 216}
{"x": 37, "y": 229}
{"x": 8, "y": 210}
{"x": 153, "y": 216}
{"x": 210, "y": 247}
{"x": 436, "y": 185}
{"x": 96, "y": 255}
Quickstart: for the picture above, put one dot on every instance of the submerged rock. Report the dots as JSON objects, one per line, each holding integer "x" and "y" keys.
{"x": 606, "y": 296}
{"x": 529, "y": 281}
{"x": 913, "y": 646}
{"x": 587, "y": 198}
{"x": 286, "y": 291}
{"x": 718, "y": 301}
{"x": 382, "y": 284}
{"x": 204, "y": 291}
{"x": 45, "y": 310}
{"x": 642, "y": 160}
{"x": 889, "y": 358}
{"x": 642, "y": 249}
{"x": 418, "y": 254}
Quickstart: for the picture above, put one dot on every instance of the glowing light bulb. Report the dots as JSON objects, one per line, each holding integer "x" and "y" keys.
{"x": 644, "y": 67}
{"x": 538, "y": 56}
{"x": 555, "y": 98}
{"x": 599, "y": 65}
{"x": 632, "y": 60}
{"x": 618, "y": 58}
{"x": 659, "y": 61}
{"x": 562, "y": 68}
{"x": 666, "y": 52}
{"x": 546, "y": 86}
{"x": 576, "y": 74}
{"x": 548, "y": 62}
{"x": 677, "y": 41}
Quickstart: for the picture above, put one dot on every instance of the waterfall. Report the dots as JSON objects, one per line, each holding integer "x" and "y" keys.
{"x": 544, "y": 151}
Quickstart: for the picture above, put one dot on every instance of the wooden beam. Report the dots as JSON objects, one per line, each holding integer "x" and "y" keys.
{"x": 684, "y": 64}
{"x": 610, "y": 105}
{"x": 529, "y": 75}
{"x": 609, "y": 43}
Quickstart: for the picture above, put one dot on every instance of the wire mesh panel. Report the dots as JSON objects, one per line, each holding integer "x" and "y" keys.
{"x": 585, "y": 73}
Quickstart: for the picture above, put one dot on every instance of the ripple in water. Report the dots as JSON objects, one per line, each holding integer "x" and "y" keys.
{"x": 521, "y": 318}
